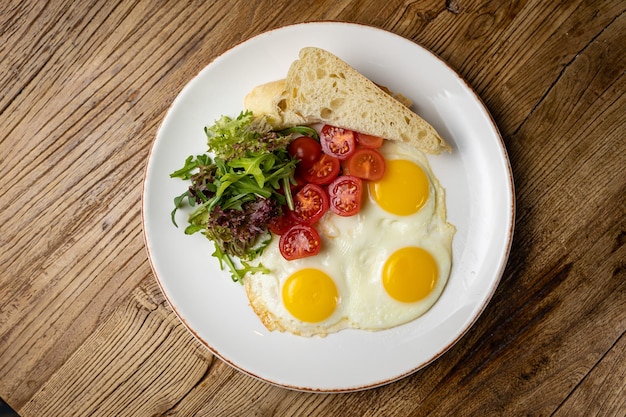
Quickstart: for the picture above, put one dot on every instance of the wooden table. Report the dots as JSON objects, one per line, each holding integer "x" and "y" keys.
{"x": 84, "y": 328}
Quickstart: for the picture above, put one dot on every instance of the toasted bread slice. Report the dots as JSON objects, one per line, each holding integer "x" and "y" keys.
{"x": 322, "y": 88}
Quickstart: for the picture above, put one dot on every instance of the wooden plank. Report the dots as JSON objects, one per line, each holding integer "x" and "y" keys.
{"x": 109, "y": 375}
{"x": 512, "y": 52}
{"x": 603, "y": 390}
{"x": 82, "y": 149}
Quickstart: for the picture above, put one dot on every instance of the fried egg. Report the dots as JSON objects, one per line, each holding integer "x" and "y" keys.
{"x": 383, "y": 267}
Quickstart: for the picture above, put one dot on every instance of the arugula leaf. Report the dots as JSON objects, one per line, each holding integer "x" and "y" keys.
{"x": 191, "y": 164}
{"x": 302, "y": 130}
{"x": 179, "y": 202}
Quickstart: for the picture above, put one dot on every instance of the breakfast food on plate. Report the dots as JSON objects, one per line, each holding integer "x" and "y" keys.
{"x": 377, "y": 269}
{"x": 322, "y": 88}
{"x": 389, "y": 263}
{"x": 320, "y": 200}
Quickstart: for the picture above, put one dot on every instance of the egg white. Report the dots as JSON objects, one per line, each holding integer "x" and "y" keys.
{"x": 354, "y": 250}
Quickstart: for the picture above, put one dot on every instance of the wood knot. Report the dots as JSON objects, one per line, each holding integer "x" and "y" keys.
{"x": 453, "y": 6}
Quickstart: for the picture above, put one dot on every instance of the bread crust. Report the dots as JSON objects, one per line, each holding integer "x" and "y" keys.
{"x": 322, "y": 88}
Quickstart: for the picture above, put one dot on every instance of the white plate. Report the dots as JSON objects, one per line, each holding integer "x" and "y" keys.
{"x": 480, "y": 201}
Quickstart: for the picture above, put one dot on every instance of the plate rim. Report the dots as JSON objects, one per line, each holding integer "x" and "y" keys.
{"x": 504, "y": 255}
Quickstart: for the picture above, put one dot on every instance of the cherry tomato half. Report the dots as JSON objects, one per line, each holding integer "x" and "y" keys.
{"x": 322, "y": 172}
{"x": 279, "y": 225}
{"x": 345, "y": 195}
{"x": 337, "y": 141}
{"x": 300, "y": 241}
{"x": 368, "y": 141}
{"x": 306, "y": 149}
{"x": 309, "y": 204}
{"x": 367, "y": 163}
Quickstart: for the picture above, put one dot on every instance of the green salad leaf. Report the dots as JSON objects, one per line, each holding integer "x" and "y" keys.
{"x": 234, "y": 138}
{"x": 236, "y": 192}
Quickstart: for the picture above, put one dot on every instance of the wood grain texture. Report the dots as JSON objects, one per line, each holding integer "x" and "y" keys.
{"x": 84, "y": 329}
{"x": 120, "y": 368}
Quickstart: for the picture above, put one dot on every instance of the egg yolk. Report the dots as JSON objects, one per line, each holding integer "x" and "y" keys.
{"x": 409, "y": 274}
{"x": 404, "y": 188}
{"x": 310, "y": 295}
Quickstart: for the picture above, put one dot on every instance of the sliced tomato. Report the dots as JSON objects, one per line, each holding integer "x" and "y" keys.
{"x": 309, "y": 204}
{"x": 322, "y": 172}
{"x": 345, "y": 195}
{"x": 300, "y": 241}
{"x": 306, "y": 149}
{"x": 368, "y": 141}
{"x": 367, "y": 163}
{"x": 279, "y": 225}
{"x": 337, "y": 141}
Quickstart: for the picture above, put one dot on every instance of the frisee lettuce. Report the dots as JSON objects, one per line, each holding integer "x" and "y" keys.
{"x": 230, "y": 138}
